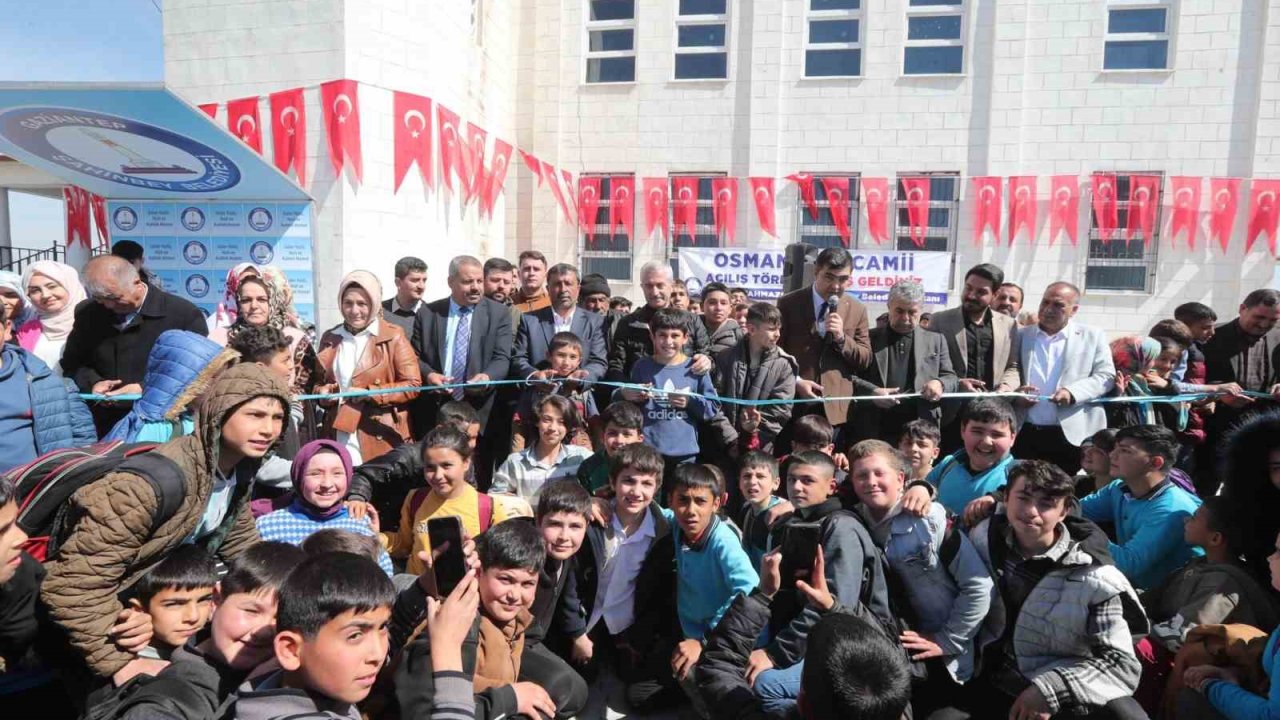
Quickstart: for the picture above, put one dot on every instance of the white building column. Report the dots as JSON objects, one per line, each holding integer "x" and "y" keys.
{"x": 6, "y": 237}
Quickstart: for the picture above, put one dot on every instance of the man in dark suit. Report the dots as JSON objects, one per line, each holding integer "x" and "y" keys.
{"x": 907, "y": 359}
{"x": 106, "y": 351}
{"x": 533, "y": 337}
{"x": 830, "y": 343}
{"x": 465, "y": 337}
{"x": 411, "y": 283}
{"x": 984, "y": 345}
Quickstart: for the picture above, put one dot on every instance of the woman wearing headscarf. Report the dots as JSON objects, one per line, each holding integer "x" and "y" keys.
{"x": 14, "y": 296}
{"x": 53, "y": 290}
{"x": 228, "y": 310}
{"x": 301, "y": 336}
{"x": 366, "y": 353}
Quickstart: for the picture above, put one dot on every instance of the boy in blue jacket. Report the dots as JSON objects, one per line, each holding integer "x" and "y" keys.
{"x": 1145, "y": 507}
{"x": 988, "y": 428}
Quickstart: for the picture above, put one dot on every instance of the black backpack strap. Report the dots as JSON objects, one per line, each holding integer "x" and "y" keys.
{"x": 167, "y": 481}
{"x": 950, "y": 544}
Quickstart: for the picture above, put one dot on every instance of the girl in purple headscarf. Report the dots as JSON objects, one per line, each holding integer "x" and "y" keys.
{"x": 321, "y": 478}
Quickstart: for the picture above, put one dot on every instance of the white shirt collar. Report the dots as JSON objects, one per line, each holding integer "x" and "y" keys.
{"x": 370, "y": 330}
{"x": 564, "y": 319}
{"x": 1040, "y": 333}
{"x": 646, "y": 528}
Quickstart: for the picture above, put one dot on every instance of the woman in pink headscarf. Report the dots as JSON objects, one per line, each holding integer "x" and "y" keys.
{"x": 54, "y": 290}
{"x": 229, "y": 309}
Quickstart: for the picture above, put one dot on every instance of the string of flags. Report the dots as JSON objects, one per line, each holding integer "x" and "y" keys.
{"x": 670, "y": 204}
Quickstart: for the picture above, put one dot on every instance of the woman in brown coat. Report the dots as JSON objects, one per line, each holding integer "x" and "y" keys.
{"x": 366, "y": 353}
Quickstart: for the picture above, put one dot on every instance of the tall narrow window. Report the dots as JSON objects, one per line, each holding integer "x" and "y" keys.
{"x": 704, "y": 233}
{"x": 935, "y": 38}
{"x": 607, "y": 253}
{"x": 702, "y": 40}
{"x": 1118, "y": 263}
{"x": 940, "y": 235}
{"x": 1137, "y": 37}
{"x": 823, "y": 231}
{"x": 611, "y": 41}
{"x": 833, "y": 38}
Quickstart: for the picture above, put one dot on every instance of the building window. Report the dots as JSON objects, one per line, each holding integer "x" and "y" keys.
{"x": 1137, "y": 38}
{"x": 822, "y": 232}
{"x": 702, "y": 40}
{"x": 944, "y": 205}
{"x": 611, "y": 41}
{"x": 1119, "y": 263}
{"x": 833, "y": 39}
{"x": 935, "y": 38}
{"x": 705, "y": 225}
{"x": 608, "y": 253}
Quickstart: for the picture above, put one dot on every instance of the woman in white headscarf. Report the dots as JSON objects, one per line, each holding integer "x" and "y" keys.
{"x": 53, "y": 290}
{"x": 14, "y": 296}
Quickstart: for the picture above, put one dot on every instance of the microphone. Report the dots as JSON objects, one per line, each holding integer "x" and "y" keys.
{"x": 832, "y": 302}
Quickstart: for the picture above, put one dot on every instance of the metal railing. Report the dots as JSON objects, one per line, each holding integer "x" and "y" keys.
{"x": 16, "y": 259}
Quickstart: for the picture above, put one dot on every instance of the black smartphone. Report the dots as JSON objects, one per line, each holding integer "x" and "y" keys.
{"x": 451, "y": 565}
{"x": 799, "y": 548}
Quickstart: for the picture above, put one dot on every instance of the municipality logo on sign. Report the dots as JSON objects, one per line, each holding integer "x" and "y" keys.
{"x": 197, "y": 286}
{"x": 260, "y": 219}
{"x": 195, "y": 252}
{"x": 261, "y": 252}
{"x": 125, "y": 218}
{"x": 118, "y": 150}
{"x": 193, "y": 219}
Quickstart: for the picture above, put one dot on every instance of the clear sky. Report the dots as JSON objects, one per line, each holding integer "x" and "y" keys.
{"x": 70, "y": 41}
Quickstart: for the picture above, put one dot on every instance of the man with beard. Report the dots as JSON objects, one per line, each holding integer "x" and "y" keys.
{"x": 1070, "y": 364}
{"x": 984, "y": 346}
{"x": 1008, "y": 299}
{"x": 632, "y": 340}
{"x": 532, "y": 294}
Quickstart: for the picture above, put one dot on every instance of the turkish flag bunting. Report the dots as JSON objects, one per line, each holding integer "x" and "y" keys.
{"x": 1064, "y": 208}
{"x": 1186, "y": 208}
{"x": 473, "y": 161}
{"x": 497, "y": 175}
{"x": 622, "y": 204}
{"x": 804, "y": 181}
{"x": 762, "y": 190}
{"x": 77, "y": 205}
{"x": 837, "y": 189}
{"x": 100, "y": 218}
{"x": 1106, "y": 212}
{"x": 450, "y": 147}
{"x": 1264, "y": 213}
{"x": 534, "y": 165}
{"x": 553, "y": 182}
{"x": 412, "y": 137}
{"x": 724, "y": 190}
{"x": 685, "y": 192}
{"x": 289, "y": 132}
{"x": 1144, "y": 197}
{"x": 569, "y": 195}
{"x": 210, "y": 109}
{"x": 916, "y": 191}
{"x": 340, "y": 103}
{"x": 242, "y": 121}
{"x": 875, "y": 195}
{"x": 588, "y": 205}
{"x": 657, "y": 201}
{"x": 1022, "y": 207}
{"x": 986, "y": 208}
{"x": 1224, "y": 198}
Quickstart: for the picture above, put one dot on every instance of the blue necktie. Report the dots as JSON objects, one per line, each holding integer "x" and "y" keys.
{"x": 461, "y": 345}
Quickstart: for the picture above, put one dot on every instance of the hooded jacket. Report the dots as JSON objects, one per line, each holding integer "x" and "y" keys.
{"x": 266, "y": 698}
{"x": 110, "y": 542}
{"x": 774, "y": 379}
{"x": 725, "y": 336}
{"x": 59, "y": 418}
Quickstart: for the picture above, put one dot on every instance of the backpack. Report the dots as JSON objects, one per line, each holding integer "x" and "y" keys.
{"x": 45, "y": 486}
{"x": 483, "y": 501}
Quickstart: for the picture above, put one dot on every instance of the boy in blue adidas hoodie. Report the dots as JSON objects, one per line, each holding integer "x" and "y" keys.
{"x": 988, "y": 428}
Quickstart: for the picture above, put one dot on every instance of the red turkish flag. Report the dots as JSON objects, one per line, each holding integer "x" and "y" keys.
{"x": 1264, "y": 213}
{"x": 340, "y": 104}
{"x": 804, "y": 181}
{"x": 684, "y": 191}
{"x": 412, "y": 137}
{"x": 210, "y": 109}
{"x": 724, "y": 193}
{"x": 570, "y": 195}
{"x": 588, "y": 205}
{"x": 986, "y": 208}
{"x": 916, "y": 192}
{"x": 1144, "y": 196}
{"x": 289, "y": 132}
{"x": 473, "y": 161}
{"x": 1022, "y": 207}
{"x": 837, "y": 189}
{"x": 622, "y": 204}
{"x": 657, "y": 202}
{"x": 875, "y": 195}
{"x": 1186, "y": 208}
{"x": 553, "y": 182}
{"x": 497, "y": 175}
{"x": 762, "y": 191}
{"x": 99, "y": 205}
{"x": 1064, "y": 208}
{"x": 242, "y": 121}
{"x": 77, "y": 207}
{"x": 1106, "y": 212}
{"x": 450, "y": 147}
{"x": 534, "y": 165}
{"x": 1224, "y": 198}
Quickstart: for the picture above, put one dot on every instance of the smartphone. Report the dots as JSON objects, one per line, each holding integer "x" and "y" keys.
{"x": 451, "y": 565}
{"x": 800, "y": 543}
